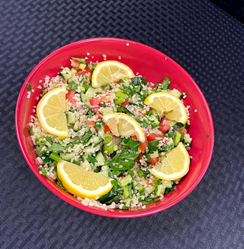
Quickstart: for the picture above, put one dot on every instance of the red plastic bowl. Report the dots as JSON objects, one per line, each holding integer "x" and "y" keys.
{"x": 149, "y": 63}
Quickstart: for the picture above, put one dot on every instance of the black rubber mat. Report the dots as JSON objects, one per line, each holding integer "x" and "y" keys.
{"x": 204, "y": 40}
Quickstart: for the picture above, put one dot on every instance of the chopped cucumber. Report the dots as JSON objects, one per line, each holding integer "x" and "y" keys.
{"x": 105, "y": 110}
{"x": 149, "y": 189}
{"x": 87, "y": 96}
{"x": 177, "y": 137}
{"x": 66, "y": 73}
{"x": 91, "y": 149}
{"x": 100, "y": 159}
{"x": 125, "y": 180}
{"x": 71, "y": 117}
{"x": 167, "y": 184}
{"x": 187, "y": 139}
{"x": 76, "y": 126}
{"x": 176, "y": 93}
{"x": 67, "y": 156}
{"x": 161, "y": 189}
{"x": 82, "y": 66}
{"x": 96, "y": 140}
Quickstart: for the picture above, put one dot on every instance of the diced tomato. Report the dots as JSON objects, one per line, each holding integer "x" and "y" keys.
{"x": 183, "y": 129}
{"x": 83, "y": 71}
{"x": 134, "y": 137}
{"x": 96, "y": 101}
{"x": 70, "y": 96}
{"x": 141, "y": 155}
{"x": 90, "y": 122}
{"x": 125, "y": 103}
{"x": 154, "y": 160}
{"x": 74, "y": 63}
{"x": 137, "y": 160}
{"x": 152, "y": 85}
{"x": 143, "y": 146}
{"x": 106, "y": 128}
{"x": 121, "y": 175}
{"x": 154, "y": 136}
{"x": 164, "y": 125}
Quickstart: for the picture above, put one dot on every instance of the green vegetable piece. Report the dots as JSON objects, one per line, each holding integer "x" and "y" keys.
{"x": 55, "y": 157}
{"x": 31, "y": 131}
{"x": 165, "y": 84}
{"x": 43, "y": 171}
{"x": 73, "y": 86}
{"x": 29, "y": 87}
{"x": 56, "y": 148}
{"x": 177, "y": 138}
{"x": 91, "y": 159}
{"x": 125, "y": 180}
{"x": 140, "y": 173}
{"x": 153, "y": 146}
{"x": 86, "y": 137}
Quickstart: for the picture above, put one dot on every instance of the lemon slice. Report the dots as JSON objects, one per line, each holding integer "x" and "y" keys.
{"x": 169, "y": 105}
{"x": 80, "y": 182}
{"x": 107, "y": 72}
{"x": 51, "y": 112}
{"x": 122, "y": 124}
{"x": 175, "y": 164}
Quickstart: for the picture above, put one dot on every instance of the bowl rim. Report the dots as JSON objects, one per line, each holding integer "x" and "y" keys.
{"x": 103, "y": 212}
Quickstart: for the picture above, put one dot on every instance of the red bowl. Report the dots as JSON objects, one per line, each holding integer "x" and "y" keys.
{"x": 149, "y": 63}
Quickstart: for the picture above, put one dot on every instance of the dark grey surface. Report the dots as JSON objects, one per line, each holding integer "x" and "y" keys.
{"x": 207, "y": 42}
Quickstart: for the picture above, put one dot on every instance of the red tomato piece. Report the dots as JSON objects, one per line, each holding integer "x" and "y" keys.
{"x": 83, "y": 71}
{"x": 74, "y": 63}
{"x": 134, "y": 137}
{"x": 143, "y": 146}
{"x": 125, "y": 103}
{"x": 70, "y": 96}
{"x": 106, "y": 128}
{"x": 154, "y": 136}
{"x": 154, "y": 160}
{"x": 141, "y": 155}
{"x": 96, "y": 101}
{"x": 90, "y": 122}
{"x": 164, "y": 125}
{"x": 152, "y": 85}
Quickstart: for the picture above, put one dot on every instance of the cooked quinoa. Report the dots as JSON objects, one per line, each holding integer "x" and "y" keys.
{"x": 90, "y": 143}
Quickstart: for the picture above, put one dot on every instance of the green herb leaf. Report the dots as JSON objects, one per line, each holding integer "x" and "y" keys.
{"x": 43, "y": 171}
{"x": 152, "y": 146}
{"x": 55, "y": 147}
{"x": 28, "y": 86}
{"x": 91, "y": 159}
{"x": 86, "y": 137}
{"x": 73, "y": 86}
{"x": 207, "y": 135}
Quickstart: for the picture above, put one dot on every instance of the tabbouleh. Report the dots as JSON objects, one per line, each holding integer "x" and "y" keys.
{"x": 91, "y": 144}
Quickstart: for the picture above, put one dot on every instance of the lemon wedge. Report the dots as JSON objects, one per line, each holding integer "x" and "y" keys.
{"x": 80, "y": 182}
{"x": 174, "y": 165}
{"x": 122, "y": 124}
{"x": 50, "y": 111}
{"x": 107, "y": 72}
{"x": 167, "y": 104}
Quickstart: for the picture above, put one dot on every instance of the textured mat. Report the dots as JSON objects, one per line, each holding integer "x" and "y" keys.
{"x": 207, "y": 42}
